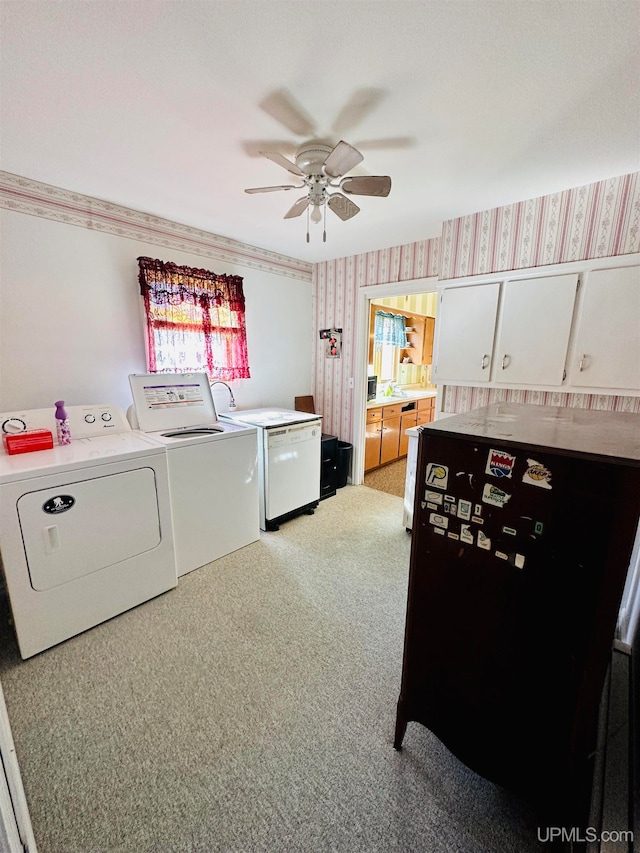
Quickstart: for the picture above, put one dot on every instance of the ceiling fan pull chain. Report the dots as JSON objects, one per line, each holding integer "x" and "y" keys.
{"x": 324, "y": 224}
{"x": 308, "y": 206}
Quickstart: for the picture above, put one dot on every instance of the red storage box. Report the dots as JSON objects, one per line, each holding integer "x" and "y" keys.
{"x": 30, "y": 439}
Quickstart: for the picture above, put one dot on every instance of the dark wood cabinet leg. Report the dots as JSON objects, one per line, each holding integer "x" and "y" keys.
{"x": 401, "y": 726}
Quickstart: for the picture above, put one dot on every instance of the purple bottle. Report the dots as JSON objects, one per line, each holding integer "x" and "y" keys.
{"x": 63, "y": 431}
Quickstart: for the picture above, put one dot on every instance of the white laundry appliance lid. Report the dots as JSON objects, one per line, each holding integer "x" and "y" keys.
{"x": 270, "y": 417}
{"x": 166, "y": 401}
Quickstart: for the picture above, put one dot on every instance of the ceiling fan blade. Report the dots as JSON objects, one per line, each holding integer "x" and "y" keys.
{"x": 298, "y": 208}
{"x": 255, "y": 147}
{"x": 275, "y": 157}
{"x": 282, "y": 106}
{"x": 379, "y": 185}
{"x": 357, "y": 108}
{"x": 342, "y": 159}
{"x": 342, "y": 206}
{"x": 389, "y": 143}
{"x": 273, "y": 189}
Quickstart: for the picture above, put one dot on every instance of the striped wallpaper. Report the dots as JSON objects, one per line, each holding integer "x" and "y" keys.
{"x": 458, "y": 399}
{"x": 592, "y": 221}
{"x": 598, "y": 220}
{"x": 416, "y": 303}
{"x": 335, "y": 288}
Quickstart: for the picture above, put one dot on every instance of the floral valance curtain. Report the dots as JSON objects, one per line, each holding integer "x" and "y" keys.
{"x": 195, "y": 320}
{"x": 389, "y": 330}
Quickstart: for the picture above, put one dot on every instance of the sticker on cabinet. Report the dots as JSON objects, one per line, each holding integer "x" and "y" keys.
{"x": 493, "y": 495}
{"x": 437, "y": 475}
{"x": 537, "y": 475}
{"x": 464, "y": 509}
{"x": 500, "y": 464}
{"x": 465, "y": 534}
{"x": 483, "y": 541}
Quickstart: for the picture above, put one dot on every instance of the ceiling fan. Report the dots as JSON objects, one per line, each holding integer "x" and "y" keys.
{"x": 322, "y": 167}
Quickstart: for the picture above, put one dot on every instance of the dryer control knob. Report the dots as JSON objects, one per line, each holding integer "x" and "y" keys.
{"x": 13, "y": 425}
{"x": 106, "y": 416}
{"x": 90, "y": 419}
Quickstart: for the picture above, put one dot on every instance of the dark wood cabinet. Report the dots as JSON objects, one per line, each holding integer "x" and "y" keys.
{"x": 518, "y": 565}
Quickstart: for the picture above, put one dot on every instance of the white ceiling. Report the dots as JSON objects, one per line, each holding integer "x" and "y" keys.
{"x": 466, "y": 104}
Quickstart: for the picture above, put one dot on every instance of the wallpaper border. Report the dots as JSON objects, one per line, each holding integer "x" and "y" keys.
{"x": 24, "y": 195}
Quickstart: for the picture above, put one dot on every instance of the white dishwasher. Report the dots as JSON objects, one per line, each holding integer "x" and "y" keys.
{"x": 289, "y": 452}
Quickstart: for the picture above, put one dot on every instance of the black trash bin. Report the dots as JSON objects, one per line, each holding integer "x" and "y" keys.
{"x": 345, "y": 452}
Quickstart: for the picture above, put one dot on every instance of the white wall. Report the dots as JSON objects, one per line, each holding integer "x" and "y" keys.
{"x": 71, "y": 322}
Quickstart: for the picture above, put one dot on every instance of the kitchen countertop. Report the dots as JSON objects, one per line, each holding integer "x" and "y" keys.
{"x": 408, "y": 397}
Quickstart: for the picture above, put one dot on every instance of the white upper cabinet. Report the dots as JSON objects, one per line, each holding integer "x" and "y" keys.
{"x": 465, "y": 329}
{"x": 606, "y": 350}
{"x": 534, "y": 327}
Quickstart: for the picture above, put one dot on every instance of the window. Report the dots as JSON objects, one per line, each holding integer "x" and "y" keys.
{"x": 195, "y": 320}
{"x": 388, "y": 338}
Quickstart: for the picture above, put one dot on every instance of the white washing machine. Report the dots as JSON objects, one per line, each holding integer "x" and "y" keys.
{"x": 85, "y": 528}
{"x": 213, "y": 466}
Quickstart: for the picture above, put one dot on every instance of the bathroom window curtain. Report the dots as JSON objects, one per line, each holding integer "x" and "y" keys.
{"x": 195, "y": 320}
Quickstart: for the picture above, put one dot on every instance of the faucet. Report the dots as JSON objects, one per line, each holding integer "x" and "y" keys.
{"x": 232, "y": 402}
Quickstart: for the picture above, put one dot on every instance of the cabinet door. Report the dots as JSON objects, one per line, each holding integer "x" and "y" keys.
{"x": 607, "y": 344}
{"x": 535, "y": 322}
{"x": 409, "y": 420}
{"x": 390, "y": 439}
{"x": 372, "y": 445}
{"x": 466, "y": 325}
{"x": 426, "y": 409}
{"x": 427, "y": 343}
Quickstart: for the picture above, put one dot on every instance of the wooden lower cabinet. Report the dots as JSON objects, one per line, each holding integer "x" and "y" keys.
{"x": 410, "y": 419}
{"x": 386, "y": 430}
{"x": 426, "y": 410}
{"x": 390, "y": 439}
{"x": 372, "y": 444}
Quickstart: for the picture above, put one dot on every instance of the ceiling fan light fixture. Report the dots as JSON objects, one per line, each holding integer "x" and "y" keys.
{"x": 321, "y": 166}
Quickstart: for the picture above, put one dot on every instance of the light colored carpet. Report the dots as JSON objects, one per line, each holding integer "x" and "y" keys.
{"x": 252, "y": 709}
{"x": 390, "y": 478}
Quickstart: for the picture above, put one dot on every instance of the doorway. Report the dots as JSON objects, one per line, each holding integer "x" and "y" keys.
{"x": 399, "y": 354}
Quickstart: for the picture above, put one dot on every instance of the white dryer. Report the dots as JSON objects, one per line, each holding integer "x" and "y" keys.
{"x": 85, "y": 528}
{"x": 213, "y": 466}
